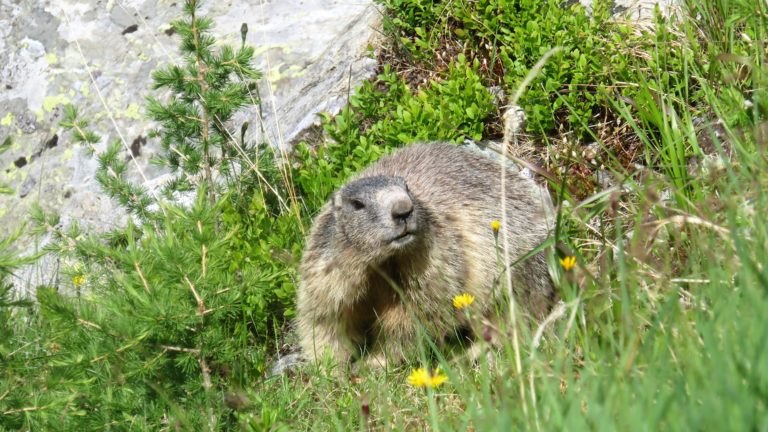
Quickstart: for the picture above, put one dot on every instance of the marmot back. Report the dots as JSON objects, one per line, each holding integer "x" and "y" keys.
{"x": 392, "y": 247}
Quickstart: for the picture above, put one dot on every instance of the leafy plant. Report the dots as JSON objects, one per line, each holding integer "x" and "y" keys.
{"x": 385, "y": 114}
{"x": 509, "y": 37}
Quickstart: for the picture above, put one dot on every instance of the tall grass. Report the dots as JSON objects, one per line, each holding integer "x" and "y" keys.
{"x": 661, "y": 323}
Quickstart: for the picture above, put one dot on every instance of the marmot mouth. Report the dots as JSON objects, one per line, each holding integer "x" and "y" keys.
{"x": 403, "y": 239}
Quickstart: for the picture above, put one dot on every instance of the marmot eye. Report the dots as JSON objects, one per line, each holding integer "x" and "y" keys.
{"x": 357, "y": 204}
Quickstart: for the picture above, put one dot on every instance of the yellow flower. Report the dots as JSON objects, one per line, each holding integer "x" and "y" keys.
{"x": 495, "y": 226}
{"x": 422, "y": 378}
{"x": 568, "y": 262}
{"x": 419, "y": 378}
{"x": 78, "y": 280}
{"x": 437, "y": 379}
{"x": 463, "y": 300}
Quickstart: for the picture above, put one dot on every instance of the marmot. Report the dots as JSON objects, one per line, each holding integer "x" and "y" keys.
{"x": 392, "y": 247}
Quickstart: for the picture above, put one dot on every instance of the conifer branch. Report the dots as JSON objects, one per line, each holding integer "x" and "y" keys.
{"x": 203, "y": 253}
{"x": 201, "y": 71}
{"x": 200, "y": 303}
{"x": 141, "y": 275}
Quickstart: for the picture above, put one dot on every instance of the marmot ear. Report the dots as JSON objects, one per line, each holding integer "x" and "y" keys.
{"x": 336, "y": 199}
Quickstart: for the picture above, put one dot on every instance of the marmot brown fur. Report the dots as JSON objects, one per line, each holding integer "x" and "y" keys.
{"x": 392, "y": 247}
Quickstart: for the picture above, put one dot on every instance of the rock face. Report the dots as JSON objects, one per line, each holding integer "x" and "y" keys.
{"x": 99, "y": 55}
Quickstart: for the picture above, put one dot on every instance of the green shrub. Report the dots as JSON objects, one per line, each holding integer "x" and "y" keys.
{"x": 510, "y": 36}
{"x": 385, "y": 114}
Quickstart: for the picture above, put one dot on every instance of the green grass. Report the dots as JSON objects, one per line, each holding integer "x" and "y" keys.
{"x": 661, "y": 325}
{"x": 638, "y": 350}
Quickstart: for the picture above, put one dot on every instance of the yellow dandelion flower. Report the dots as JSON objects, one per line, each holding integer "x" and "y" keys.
{"x": 437, "y": 379}
{"x": 495, "y": 226}
{"x": 78, "y": 280}
{"x": 421, "y": 377}
{"x": 568, "y": 262}
{"x": 462, "y": 301}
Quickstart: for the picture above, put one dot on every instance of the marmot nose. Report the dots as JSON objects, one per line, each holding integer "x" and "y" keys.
{"x": 402, "y": 207}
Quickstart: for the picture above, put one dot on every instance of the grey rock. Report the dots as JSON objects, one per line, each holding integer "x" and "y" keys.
{"x": 605, "y": 179}
{"x": 27, "y": 186}
{"x": 640, "y": 12}
{"x": 286, "y": 363}
{"x": 99, "y": 56}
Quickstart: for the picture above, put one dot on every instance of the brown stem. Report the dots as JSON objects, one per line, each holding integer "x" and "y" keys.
{"x": 201, "y": 68}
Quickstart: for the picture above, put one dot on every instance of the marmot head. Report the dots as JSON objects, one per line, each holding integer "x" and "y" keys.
{"x": 379, "y": 216}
